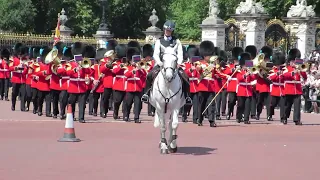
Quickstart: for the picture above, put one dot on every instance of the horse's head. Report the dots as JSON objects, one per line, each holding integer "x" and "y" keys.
{"x": 170, "y": 62}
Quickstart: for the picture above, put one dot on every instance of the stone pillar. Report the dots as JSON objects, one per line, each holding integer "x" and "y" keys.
{"x": 213, "y": 27}
{"x": 252, "y": 20}
{"x": 153, "y": 33}
{"x": 103, "y": 34}
{"x": 301, "y": 22}
{"x": 65, "y": 32}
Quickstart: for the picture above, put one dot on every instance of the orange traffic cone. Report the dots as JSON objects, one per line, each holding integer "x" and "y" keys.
{"x": 69, "y": 134}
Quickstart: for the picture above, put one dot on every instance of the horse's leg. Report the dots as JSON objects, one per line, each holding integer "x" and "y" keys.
{"x": 163, "y": 128}
{"x": 173, "y": 126}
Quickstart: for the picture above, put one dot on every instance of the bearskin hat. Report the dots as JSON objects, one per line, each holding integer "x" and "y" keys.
{"x": 44, "y": 51}
{"x": 252, "y": 50}
{"x": 89, "y": 52}
{"x": 18, "y": 49}
{"x": 278, "y": 58}
{"x": 5, "y": 53}
{"x": 192, "y": 51}
{"x": 216, "y": 51}
{"x": 77, "y": 48}
{"x": 59, "y": 46}
{"x": 267, "y": 51}
{"x": 236, "y": 52}
{"x": 184, "y": 53}
{"x": 147, "y": 50}
{"x": 131, "y": 51}
{"x": 134, "y": 44}
{"x": 293, "y": 54}
{"x": 67, "y": 54}
{"x": 36, "y": 52}
{"x": 111, "y": 44}
{"x": 206, "y": 48}
{"x": 244, "y": 57}
{"x": 100, "y": 53}
{"x": 223, "y": 56}
{"x": 121, "y": 50}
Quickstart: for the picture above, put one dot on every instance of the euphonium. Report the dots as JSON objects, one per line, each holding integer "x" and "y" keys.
{"x": 52, "y": 57}
{"x": 85, "y": 63}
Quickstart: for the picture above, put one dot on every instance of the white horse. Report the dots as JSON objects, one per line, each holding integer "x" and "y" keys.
{"x": 167, "y": 98}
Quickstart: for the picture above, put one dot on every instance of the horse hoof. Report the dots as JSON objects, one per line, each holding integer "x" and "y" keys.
{"x": 164, "y": 151}
{"x": 173, "y": 150}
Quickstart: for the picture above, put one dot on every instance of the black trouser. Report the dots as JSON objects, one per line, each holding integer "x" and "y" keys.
{"x": 28, "y": 95}
{"x": 187, "y": 108}
{"x": 232, "y": 99}
{"x": 307, "y": 102}
{"x": 16, "y": 89}
{"x": 274, "y": 102}
{"x": 243, "y": 107}
{"x": 4, "y": 87}
{"x": 118, "y": 97}
{"x": 81, "y": 98}
{"x": 55, "y": 101}
{"x": 224, "y": 101}
{"x": 91, "y": 106}
{"x": 95, "y": 100}
{"x": 204, "y": 98}
{"x": 44, "y": 95}
{"x": 294, "y": 100}
{"x": 63, "y": 102}
{"x": 253, "y": 106}
{"x": 218, "y": 103}
{"x": 263, "y": 99}
{"x": 87, "y": 94}
{"x": 107, "y": 93}
{"x": 35, "y": 98}
{"x": 130, "y": 98}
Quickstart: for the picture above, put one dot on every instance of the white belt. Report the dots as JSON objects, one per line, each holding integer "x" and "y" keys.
{"x": 18, "y": 71}
{"x": 293, "y": 82}
{"x": 245, "y": 84}
{"x": 77, "y": 79}
{"x": 65, "y": 77}
{"x": 208, "y": 78}
{"x": 120, "y": 76}
{"x": 4, "y": 70}
{"x": 278, "y": 84}
{"x": 232, "y": 79}
{"x": 193, "y": 79}
{"x": 135, "y": 78}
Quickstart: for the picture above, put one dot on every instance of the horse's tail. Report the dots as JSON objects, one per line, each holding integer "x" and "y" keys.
{"x": 156, "y": 120}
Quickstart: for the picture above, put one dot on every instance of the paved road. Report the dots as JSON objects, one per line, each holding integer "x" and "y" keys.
{"x": 118, "y": 151}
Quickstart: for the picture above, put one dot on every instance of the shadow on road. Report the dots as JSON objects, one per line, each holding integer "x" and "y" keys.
{"x": 196, "y": 151}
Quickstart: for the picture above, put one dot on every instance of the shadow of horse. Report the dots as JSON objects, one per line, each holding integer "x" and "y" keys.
{"x": 196, "y": 151}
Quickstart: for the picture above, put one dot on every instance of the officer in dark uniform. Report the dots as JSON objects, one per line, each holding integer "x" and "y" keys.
{"x": 166, "y": 41}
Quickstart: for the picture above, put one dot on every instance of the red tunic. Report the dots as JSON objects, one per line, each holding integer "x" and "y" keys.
{"x": 232, "y": 81}
{"x": 18, "y": 75}
{"x": 77, "y": 83}
{"x": 120, "y": 79}
{"x": 43, "y": 84}
{"x": 207, "y": 83}
{"x": 244, "y": 87}
{"x": 292, "y": 82}
{"x": 194, "y": 76}
{"x": 108, "y": 76}
{"x": 4, "y": 70}
{"x": 64, "y": 78}
{"x": 277, "y": 86}
{"x": 55, "y": 79}
{"x": 261, "y": 86}
{"x": 29, "y": 73}
{"x": 98, "y": 75}
{"x": 135, "y": 80}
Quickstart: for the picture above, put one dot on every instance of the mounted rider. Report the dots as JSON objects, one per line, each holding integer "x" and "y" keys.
{"x": 167, "y": 40}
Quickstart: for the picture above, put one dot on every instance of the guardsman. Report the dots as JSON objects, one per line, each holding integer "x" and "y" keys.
{"x": 19, "y": 70}
{"x": 193, "y": 74}
{"x": 98, "y": 89}
{"x": 34, "y": 68}
{"x": 136, "y": 76}
{"x": 263, "y": 84}
{"x": 292, "y": 85}
{"x": 77, "y": 82}
{"x": 252, "y": 50}
{"x": 244, "y": 89}
{"x": 223, "y": 57}
{"x": 55, "y": 87}
{"x": 206, "y": 83}
{"x": 277, "y": 86}
{"x": 147, "y": 53}
{"x": 64, "y": 80}
{"x": 167, "y": 40}
{"x": 4, "y": 74}
{"x": 120, "y": 80}
{"x": 232, "y": 82}
{"x": 43, "y": 84}
{"x": 29, "y": 77}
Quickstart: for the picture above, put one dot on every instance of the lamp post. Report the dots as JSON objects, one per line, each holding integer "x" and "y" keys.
{"x": 103, "y": 25}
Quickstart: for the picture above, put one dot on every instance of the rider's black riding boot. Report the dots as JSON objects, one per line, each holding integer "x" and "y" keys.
{"x": 145, "y": 97}
{"x": 185, "y": 86}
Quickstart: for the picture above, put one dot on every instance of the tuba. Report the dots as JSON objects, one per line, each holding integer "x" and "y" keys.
{"x": 85, "y": 63}
{"x": 52, "y": 57}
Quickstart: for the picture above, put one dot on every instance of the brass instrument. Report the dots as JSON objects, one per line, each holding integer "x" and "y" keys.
{"x": 259, "y": 64}
{"x": 303, "y": 67}
{"x": 52, "y": 57}
{"x": 207, "y": 72}
{"x": 85, "y": 63}
{"x": 87, "y": 80}
{"x": 68, "y": 67}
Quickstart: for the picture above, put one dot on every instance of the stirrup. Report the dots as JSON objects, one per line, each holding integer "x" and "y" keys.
{"x": 188, "y": 101}
{"x": 145, "y": 98}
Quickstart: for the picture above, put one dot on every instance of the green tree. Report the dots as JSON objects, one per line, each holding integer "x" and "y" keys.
{"x": 16, "y": 15}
